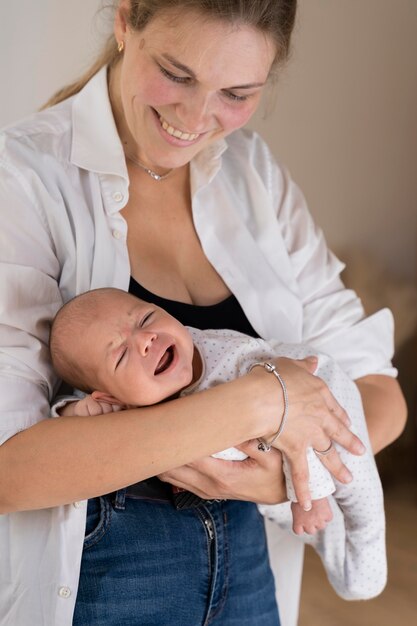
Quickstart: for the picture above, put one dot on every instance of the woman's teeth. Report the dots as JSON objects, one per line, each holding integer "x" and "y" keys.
{"x": 174, "y": 132}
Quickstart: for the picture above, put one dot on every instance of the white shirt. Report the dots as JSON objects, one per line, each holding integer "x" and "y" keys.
{"x": 63, "y": 182}
{"x": 352, "y": 546}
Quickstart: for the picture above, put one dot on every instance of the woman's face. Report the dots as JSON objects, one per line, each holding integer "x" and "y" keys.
{"x": 183, "y": 82}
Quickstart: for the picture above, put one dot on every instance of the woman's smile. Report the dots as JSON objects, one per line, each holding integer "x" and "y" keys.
{"x": 175, "y": 132}
{"x": 174, "y": 136}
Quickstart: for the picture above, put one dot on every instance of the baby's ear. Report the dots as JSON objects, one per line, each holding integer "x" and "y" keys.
{"x": 102, "y": 396}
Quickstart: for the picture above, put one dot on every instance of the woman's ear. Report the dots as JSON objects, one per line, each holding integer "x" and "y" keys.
{"x": 121, "y": 22}
{"x": 102, "y": 396}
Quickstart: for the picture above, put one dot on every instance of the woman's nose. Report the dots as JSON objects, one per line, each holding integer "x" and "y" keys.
{"x": 194, "y": 114}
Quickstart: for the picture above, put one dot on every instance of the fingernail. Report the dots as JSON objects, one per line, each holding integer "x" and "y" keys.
{"x": 311, "y": 358}
{"x": 347, "y": 476}
{"x": 360, "y": 448}
{"x": 307, "y": 506}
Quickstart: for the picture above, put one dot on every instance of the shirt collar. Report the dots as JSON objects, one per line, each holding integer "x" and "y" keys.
{"x": 96, "y": 145}
{"x": 206, "y": 164}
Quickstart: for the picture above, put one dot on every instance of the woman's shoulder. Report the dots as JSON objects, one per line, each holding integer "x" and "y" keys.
{"x": 43, "y": 132}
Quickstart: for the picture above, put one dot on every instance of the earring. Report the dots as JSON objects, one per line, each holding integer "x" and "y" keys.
{"x": 121, "y": 46}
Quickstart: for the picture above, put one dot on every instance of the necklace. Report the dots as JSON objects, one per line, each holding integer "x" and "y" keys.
{"x": 152, "y": 174}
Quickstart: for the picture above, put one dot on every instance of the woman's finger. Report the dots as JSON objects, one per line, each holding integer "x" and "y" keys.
{"x": 343, "y": 436}
{"x": 330, "y": 403}
{"x": 336, "y": 432}
{"x": 334, "y": 409}
{"x": 300, "y": 478}
{"x": 335, "y": 466}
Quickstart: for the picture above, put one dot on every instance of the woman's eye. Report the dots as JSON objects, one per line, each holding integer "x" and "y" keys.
{"x": 173, "y": 77}
{"x": 235, "y": 97}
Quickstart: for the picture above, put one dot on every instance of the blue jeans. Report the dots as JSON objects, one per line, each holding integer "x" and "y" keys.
{"x": 147, "y": 564}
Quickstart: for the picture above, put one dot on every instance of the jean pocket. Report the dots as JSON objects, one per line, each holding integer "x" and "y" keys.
{"x": 99, "y": 512}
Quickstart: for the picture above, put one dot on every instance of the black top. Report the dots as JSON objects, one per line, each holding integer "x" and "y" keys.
{"x": 226, "y": 314}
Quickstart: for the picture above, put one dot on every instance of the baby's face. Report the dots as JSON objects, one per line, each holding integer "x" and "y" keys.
{"x": 140, "y": 354}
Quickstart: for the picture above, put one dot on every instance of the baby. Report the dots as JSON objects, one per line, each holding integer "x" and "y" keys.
{"x": 124, "y": 352}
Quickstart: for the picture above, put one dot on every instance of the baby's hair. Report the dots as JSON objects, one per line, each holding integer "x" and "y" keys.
{"x": 69, "y": 326}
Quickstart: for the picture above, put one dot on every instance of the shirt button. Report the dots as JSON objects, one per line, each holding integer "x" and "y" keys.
{"x": 77, "y": 505}
{"x": 118, "y": 196}
{"x": 64, "y": 592}
{"x": 117, "y": 234}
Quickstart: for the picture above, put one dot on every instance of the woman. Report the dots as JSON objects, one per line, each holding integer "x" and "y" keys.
{"x": 141, "y": 179}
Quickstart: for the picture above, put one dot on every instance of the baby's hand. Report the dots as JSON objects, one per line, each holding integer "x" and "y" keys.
{"x": 311, "y": 521}
{"x": 90, "y": 406}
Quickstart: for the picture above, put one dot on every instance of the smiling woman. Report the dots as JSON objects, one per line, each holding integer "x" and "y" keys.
{"x": 139, "y": 176}
{"x": 172, "y": 94}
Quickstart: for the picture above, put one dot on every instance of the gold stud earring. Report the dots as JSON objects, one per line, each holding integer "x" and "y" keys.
{"x": 121, "y": 46}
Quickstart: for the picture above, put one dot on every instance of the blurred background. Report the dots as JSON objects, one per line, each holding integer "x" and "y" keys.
{"x": 342, "y": 117}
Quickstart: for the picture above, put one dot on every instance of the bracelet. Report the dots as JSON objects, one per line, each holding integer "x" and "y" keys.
{"x": 263, "y": 445}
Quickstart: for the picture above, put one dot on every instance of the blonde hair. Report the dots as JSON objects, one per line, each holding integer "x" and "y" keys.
{"x": 275, "y": 18}
{"x": 108, "y": 56}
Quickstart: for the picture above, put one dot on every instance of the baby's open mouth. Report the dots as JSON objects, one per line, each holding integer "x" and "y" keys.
{"x": 165, "y": 361}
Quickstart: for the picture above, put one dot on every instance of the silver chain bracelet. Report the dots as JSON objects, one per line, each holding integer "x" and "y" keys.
{"x": 269, "y": 367}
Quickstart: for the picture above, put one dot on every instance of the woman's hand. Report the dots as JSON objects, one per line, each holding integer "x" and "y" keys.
{"x": 314, "y": 419}
{"x": 259, "y": 478}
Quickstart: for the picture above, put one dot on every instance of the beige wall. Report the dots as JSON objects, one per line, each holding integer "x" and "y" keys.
{"x": 344, "y": 118}
{"x": 43, "y": 44}
{"x": 345, "y": 122}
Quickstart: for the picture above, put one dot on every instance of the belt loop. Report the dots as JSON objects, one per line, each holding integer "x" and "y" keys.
{"x": 119, "y": 500}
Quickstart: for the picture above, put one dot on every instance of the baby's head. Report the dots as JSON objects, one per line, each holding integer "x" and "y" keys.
{"x": 110, "y": 341}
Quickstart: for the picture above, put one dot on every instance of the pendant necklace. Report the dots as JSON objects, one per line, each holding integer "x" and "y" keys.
{"x": 151, "y": 173}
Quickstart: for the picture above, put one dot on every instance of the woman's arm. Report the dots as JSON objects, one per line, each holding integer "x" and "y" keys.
{"x": 65, "y": 459}
{"x": 385, "y": 409}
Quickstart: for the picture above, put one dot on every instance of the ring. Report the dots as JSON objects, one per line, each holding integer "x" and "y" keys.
{"x": 324, "y": 452}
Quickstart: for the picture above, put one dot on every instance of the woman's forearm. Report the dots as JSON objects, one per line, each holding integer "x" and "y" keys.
{"x": 65, "y": 459}
{"x": 385, "y": 409}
